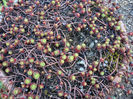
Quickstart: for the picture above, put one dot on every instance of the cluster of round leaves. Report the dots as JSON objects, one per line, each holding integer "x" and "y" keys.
{"x": 35, "y": 47}
{"x": 3, "y": 90}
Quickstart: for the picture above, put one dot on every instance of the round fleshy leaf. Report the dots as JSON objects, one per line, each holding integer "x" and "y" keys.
{"x": 44, "y": 41}
{"x": 42, "y": 64}
{"x": 5, "y": 63}
{"x": 16, "y": 91}
{"x": 30, "y": 72}
{"x": 33, "y": 86}
{"x": 36, "y": 75}
{"x": 27, "y": 81}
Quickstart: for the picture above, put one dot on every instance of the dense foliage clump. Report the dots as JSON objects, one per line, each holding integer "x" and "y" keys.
{"x": 73, "y": 49}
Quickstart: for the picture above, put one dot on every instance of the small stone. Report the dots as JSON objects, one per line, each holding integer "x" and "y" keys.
{"x": 81, "y": 90}
{"x": 132, "y": 82}
{"x": 96, "y": 41}
{"x": 81, "y": 65}
{"x": 64, "y": 22}
{"x": 81, "y": 87}
{"x": 22, "y": 82}
{"x": 91, "y": 45}
{"x": 81, "y": 38}
{"x": 117, "y": 79}
{"x": 120, "y": 94}
{"x": 131, "y": 12}
{"x": 50, "y": 87}
{"x": 106, "y": 62}
{"x": 91, "y": 54}
{"x": 15, "y": 1}
{"x": 0, "y": 18}
{"x": 81, "y": 69}
{"x": 81, "y": 62}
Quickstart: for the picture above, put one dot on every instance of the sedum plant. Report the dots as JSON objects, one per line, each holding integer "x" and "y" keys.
{"x": 74, "y": 49}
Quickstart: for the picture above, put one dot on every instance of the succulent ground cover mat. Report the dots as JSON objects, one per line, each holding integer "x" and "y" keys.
{"x": 63, "y": 49}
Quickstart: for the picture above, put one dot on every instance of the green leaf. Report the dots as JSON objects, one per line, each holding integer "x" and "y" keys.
{"x": 1, "y": 84}
{"x": 4, "y": 1}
